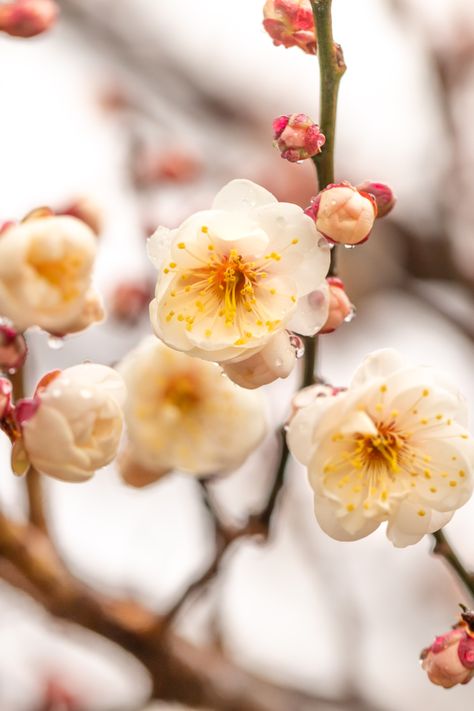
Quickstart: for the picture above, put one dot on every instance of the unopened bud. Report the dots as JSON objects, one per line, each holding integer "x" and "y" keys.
{"x": 87, "y": 210}
{"x": 343, "y": 214}
{"x": 383, "y": 195}
{"x": 5, "y": 398}
{"x": 27, "y": 18}
{"x": 340, "y": 307}
{"x": 290, "y": 23}
{"x": 13, "y": 349}
{"x": 450, "y": 659}
{"x": 297, "y": 137}
{"x": 130, "y": 300}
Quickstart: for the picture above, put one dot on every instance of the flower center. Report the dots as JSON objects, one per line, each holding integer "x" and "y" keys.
{"x": 383, "y": 450}
{"x": 62, "y": 274}
{"x": 182, "y": 392}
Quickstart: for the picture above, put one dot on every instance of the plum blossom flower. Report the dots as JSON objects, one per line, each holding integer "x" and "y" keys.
{"x": 297, "y": 137}
{"x": 450, "y": 659}
{"x": 290, "y": 23}
{"x": 393, "y": 447}
{"x": 45, "y": 274}
{"x": 184, "y": 413}
{"x": 343, "y": 214}
{"x": 13, "y": 348}
{"x": 73, "y": 424}
{"x": 232, "y": 277}
{"x": 27, "y": 18}
{"x": 275, "y": 360}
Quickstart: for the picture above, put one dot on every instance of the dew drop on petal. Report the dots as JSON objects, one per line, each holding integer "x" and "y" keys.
{"x": 55, "y": 342}
{"x": 351, "y": 315}
{"x": 297, "y": 344}
{"x": 349, "y": 246}
{"x": 11, "y": 371}
{"x": 278, "y": 363}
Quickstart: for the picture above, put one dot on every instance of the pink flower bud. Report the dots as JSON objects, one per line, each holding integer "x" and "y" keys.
{"x": 27, "y": 18}
{"x": 130, "y": 300}
{"x": 297, "y": 137}
{"x": 340, "y": 308}
{"x": 343, "y": 214}
{"x": 5, "y": 398}
{"x": 87, "y": 210}
{"x": 290, "y": 23}
{"x": 383, "y": 195}
{"x": 13, "y": 348}
{"x": 450, "y": 659}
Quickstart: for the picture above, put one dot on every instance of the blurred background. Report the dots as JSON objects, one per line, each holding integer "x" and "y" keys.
{"x": 147, "y": 108}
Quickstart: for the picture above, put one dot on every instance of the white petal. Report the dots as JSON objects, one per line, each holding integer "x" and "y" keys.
{"x": 327, "y": 516}
{"x": 313, "y": 269}
{"x": 158, "y": 246}
{"x": 311, "y": 312}
{"x": 409, "y": 523}
{"x": 379, "y": 364}
{"x": 242, "y": 195}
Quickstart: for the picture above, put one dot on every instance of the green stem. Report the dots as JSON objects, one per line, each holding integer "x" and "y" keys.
{"x": 443, "y": 548}
{"x": 331, "y": 70}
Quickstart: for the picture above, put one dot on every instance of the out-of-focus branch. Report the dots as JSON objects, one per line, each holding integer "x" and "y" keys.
{"x": 444, "y": 549}
{"x": 34, "y": 489}
{"x": 197, "y": 676}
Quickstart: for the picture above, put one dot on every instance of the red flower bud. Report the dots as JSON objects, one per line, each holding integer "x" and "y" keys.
{"x": 290, "y": 23}
{"x": 383, "y": 195}
{"x": 27, "y": 18}
{"x": 297, "y": 137}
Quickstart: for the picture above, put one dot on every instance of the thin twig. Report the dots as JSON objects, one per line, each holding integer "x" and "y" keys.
{"x": 444, "y": 549}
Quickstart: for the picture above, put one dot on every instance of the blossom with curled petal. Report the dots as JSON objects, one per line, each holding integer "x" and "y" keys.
{"x": 393, "y": 447}
{"x": 184, "y": 413}
{"x": 45, "y": 274}
{"x": 73, "y": 424}
{"x": 450, "y": 659}
{"x": 231, "y": 277}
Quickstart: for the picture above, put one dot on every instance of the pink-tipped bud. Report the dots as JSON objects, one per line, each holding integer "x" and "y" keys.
{"x": 290, "y": 23}
{"x": 13, "y": 348}
{"x": 130, "y": 300}
{"x": 5, "y": 398}
{"x": 87, "y": 210}
{"x": 27, "y": 18}
{"x": 340, "y": 307}
{"x": 297, "y": 137}
{"x": 383, "y": 195}
{"x": 343, "y": 214}
{"x": 450, "y": 659}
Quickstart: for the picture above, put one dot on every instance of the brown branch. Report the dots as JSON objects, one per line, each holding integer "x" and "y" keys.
{"x": 180, "y": 671}
{"x": 444, "y": 549}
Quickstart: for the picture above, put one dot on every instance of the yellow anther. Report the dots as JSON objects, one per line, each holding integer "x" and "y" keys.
{"x": 453, "y": 483}
{"x": 172, "y": 265}
{"x": 350, "y": 507}
{"x": 205, "y": 229}
{"x": 181, "y": 245}
{"x": 421, "y": 512}
{"x": 383, "y": 388}
{"x": 294, "y": 241}
{"x": 462, "y": 473}
{"x": 433, "y": 489}
{"x": 425, "y": 392}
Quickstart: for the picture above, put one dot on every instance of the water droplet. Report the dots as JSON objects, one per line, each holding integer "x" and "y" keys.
{"x": 297, "y": 344}
{"x": 278, "y": 363}
{"x": 55, "y": 342}
{"x": 351, "y": 315}
{"x": 333, "y": 202}
{"x": 349, "y": 246}
{"x": 286, "y": 426}
{"x": 322, "y": 242}
{"x": 11, "y": 371}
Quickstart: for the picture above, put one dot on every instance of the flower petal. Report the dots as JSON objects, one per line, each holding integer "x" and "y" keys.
{"x": 242, "y": 195}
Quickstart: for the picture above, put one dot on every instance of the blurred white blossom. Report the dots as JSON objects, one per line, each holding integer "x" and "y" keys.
{"x": 184, "y": 413}
{"x": 45, "y": 274}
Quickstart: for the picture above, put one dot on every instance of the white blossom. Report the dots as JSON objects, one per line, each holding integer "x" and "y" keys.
{"x": 394, "y": 447}
{"x": 184, "y": 413}
{"x": 231, "y": 277}
{"x": 45, "y": 274}
{"x": 77, "y": 426}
